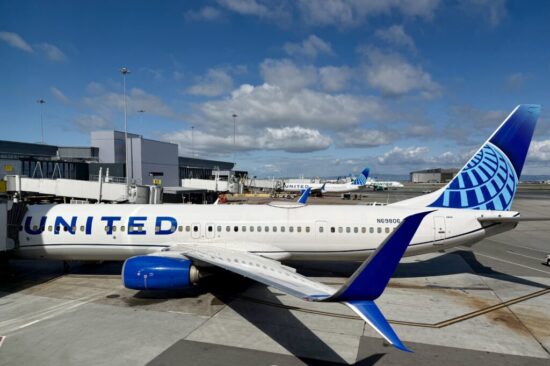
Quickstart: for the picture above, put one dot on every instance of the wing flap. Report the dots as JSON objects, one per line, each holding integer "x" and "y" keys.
{"x": 263, "y": 270}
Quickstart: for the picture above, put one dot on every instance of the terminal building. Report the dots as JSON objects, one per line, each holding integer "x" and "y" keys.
{"x": 151, "y": 162}
{"x": 438, "y": 175}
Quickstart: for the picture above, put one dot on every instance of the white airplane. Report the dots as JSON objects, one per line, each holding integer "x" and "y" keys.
{"x": 168, "y": 246}
{"x": 354, "y": 185}
{"x": 379, "y": 184}
{"x": 299, "y": 187}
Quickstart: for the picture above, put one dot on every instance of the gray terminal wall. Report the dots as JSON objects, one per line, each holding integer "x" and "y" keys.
{"x": 154, "y": 156}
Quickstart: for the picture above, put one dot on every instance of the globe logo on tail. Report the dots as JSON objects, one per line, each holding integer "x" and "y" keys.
{"x": 487, "y": 182}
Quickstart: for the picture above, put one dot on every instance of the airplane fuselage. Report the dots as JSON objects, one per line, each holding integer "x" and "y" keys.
{"x": 282, "y": 232}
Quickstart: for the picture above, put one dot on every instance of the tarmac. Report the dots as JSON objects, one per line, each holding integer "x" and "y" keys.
{"x": 488, "y": 304}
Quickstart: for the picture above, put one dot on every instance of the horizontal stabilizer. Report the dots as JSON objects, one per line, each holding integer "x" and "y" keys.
{"x": 512, "y": 219}
{"x": 371, "y": 314}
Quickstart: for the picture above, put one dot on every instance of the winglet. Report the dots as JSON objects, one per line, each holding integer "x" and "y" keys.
{"x": 305, "y": 195}
{"x": 371, "y": 314}
{"x": 371, "y": 278}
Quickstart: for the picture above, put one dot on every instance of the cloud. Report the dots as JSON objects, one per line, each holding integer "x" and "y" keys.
{"x": 52, "y": 52}
{"x": 365, "y": 138}
{"x": 492, "y": 10}
{"x": 294, "y": 139}
{"x": 470, "y": 126}
{"x": 287, "y": 75}
{"x": 15, "y": 40}
{"x": 107, "y": 103}
{"x": 409, "y": 155}
{"x": 539, "y": 151}
{"x": 214, "y": 83}
{"x": 516, "y": 80}
{"x": 310, "y": 47}
{"x": 334, "y": 78}
{"x": 272, "y": 106}
{"x": 349, "y": 13}
{"x": 394, "y": 76}
{"x": 396, "y": 36}
{"x": 58, "y": 94}
{"x": 87, "y": 123}
{"x": 207, "y": 13}
{"x": 260, "y": 8}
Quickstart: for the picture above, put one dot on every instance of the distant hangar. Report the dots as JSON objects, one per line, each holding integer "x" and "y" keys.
{"x": 438, "y": 175}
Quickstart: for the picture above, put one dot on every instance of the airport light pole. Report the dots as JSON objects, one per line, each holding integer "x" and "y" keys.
{"x": 41, "y": 102}
{"x": 192, "y": 141}
{"x": 234, "y": 134}
{"x": 124, "y": 71}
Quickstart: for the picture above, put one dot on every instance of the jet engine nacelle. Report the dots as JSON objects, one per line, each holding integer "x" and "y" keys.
{"x": 158, "y": 273}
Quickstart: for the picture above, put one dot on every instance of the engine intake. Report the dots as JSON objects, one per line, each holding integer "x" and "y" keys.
{"x": 158, "y": 273}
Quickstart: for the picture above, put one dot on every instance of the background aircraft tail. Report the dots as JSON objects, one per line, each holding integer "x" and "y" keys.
{"x": 361, "y": 180}
{"x": 490, "y": 178}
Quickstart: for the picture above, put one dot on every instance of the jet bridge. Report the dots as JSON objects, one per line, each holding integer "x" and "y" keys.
{"x": 95, "y": 191}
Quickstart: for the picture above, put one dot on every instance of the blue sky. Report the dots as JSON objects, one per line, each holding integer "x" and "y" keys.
{"x": 320, "y": 87}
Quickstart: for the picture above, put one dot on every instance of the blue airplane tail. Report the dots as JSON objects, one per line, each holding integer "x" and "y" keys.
{"x": 361, "y": 180}
{"x": 490, "y": 178}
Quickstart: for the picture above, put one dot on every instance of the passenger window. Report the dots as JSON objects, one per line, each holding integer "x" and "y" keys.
{"x": 252, "y": 229}
{"x": 106, "y": 228}
{"x": 363, "y": 229}
{"x": 122, "y": 228}
{"x": 228, "y": 228}
{"x": 82, "y": 228}
{"x": 50, "y": 228}
{"x": 266, "y": 229}
{"x": 210, "y": 229}
{"x": 371, "y": 230}
{"x": 379, "y": 230}
{"x": 332, "y": 229}
{"x": 235, "y": 228}
{"x": 157, "y": 229}
{"x": 307, "y": 229}
{"x": 340, "y": 229}
{"x": 291, "y": 229}
{"x": 282, "y": 229}
{"x": 356, "y": 229}
{"x": 114, "y": 228}
{"x": 180, "y": 228}
{"x": 259, "y": 229}
{"x": 348, "y": 230}
{"x": 188, "y": 228}
{"x": 244, "y": 229}
{"x": 219, "y": 228}
{"x": 35, "y": 227}
{"x": 195, "y": 228}
{"x": 299, "y": 229}
{"x": 387, "y": 230}
{"x": 274, "y": 229}
{"x": 321, "y": 229}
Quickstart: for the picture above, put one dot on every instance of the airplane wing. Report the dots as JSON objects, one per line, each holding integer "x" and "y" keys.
{"x": 264, "y": 270}
{"x": 359, "y": 292}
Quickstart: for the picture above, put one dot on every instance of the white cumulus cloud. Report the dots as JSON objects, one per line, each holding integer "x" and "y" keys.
{"x": 394, "y": 76}
{"x": 310, "y": 47}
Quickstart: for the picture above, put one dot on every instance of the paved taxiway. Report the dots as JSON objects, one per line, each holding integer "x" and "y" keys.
{"x": 487, "y": 304}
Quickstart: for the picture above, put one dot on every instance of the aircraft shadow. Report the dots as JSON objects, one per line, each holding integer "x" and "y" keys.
{"x": 442, "y": 265}
{"x": 283, "y": 327}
